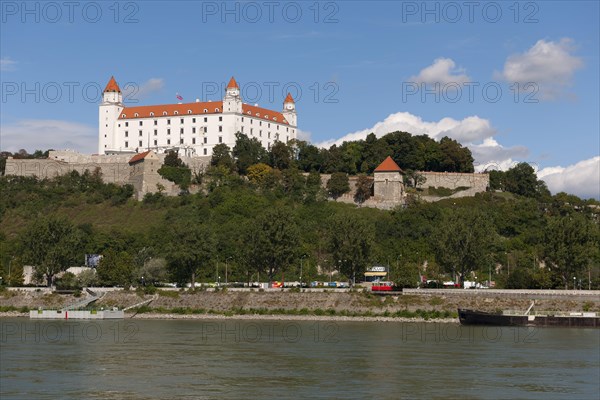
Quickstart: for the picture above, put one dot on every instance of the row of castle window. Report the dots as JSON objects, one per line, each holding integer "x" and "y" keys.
{"x": 141, "y": 123}
{"x": 180, "y": 141}
{"x": 140, "y": 144}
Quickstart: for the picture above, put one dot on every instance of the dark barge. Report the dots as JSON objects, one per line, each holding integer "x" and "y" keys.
{"x": 508, "y": 318}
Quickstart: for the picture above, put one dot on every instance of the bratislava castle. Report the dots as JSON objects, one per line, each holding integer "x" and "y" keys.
{"x": 192, "y": 129}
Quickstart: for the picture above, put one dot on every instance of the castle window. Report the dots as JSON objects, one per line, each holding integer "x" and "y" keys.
{"x": 269, "y": 125}
{"x": 251, "y": 131}
{"x": 126, "y": 144}
{"x": 260, "y": 133}
{"x": 136, "y": 115}
{"x": 181, "y": 121}
{"x": 293, "y": 131}
{"x": 104, "y": 135}
{"x": 140, "y": 142}
{"x": 205, "y": 129}
{"x": 168, "y": 131}
{"x": 126, "y": 133}
{"x": 205, "y": 151}
{"x": 181, "y": 141}
{"x": 141, "y": 123}
{"x": 287, "y": 129}
{"x": 217, "y": 110}
{"x": 193, "y": 140}
{"x": 205, "y": 110}
{"x": 277, "y": 127}
{"x": 155, "y": 122}
{"x": 156, "y": 142}
{"x": 194, "y": 130}
{"x": 181, "y": 130}
{"x": 155, "y": 132}
{"x": 168, "y": 122}
{"x": 220, "y": 139}
{"x": 220, "y": 119}
{"x": 189, "y": 111}
{"x": 269, "y": 135}
{"x": 220, "y": 128}
{"x": 269, "y": 146}
{"x": 205, "y": 140}
{"x": 119, "y": 125}
{"x": 242, "y": 119}
{"x": 242, "y": 129}
{"x": 140, "y": 133}
{"x": 260, "y": 123}
{"x": 164, "y": 113}
{"x": 176, "y": 113}
{"x": 126, "y": 123}
{"x": 193, "y": 120}
{"x": 168, "y": 141}
{"x": 152, "y": 114}
{"x": 205, "y": 119}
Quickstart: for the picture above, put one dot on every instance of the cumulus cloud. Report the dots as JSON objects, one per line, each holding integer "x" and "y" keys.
{"x": 303, "y": 135}
{"x": 581, "y": 179}
{"x": 491, "y": 155}
{"x": 134, "y": 92}
{"x": 43, "y": 134}
{"x": 470, "y": 129}
{"x": 549, "y": 65}
{"x": 442, "y": 71}
{"x": 6, "y": 64}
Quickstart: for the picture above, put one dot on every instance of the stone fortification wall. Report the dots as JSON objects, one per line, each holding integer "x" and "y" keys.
{"x": 49, "y": 168}
{"x": 452, "y": 180}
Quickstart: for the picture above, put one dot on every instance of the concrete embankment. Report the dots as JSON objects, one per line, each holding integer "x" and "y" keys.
{"x": 347, "y": 304}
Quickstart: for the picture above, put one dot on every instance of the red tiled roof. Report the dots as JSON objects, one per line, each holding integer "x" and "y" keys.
{"x": 263, "y": 113}
{"x": 112, "y": 86}
{"x": 388, "y": 165}
{"x": 289, "y": 99}
{"x": 211, "y": 107}
{"x": 139, "y": 157}
{"x": 232, "y": 84}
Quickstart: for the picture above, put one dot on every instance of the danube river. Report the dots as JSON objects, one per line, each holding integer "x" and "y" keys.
{"x": 210, "y": 359}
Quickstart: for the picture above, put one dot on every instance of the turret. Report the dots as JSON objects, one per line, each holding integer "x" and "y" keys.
{"x": 232, "y": 102}
{"x": 108, "y": 114}
{"x": 289, "y": 110}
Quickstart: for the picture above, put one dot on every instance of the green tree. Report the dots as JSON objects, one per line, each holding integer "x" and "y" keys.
{"x": 221, "y": 157}
{"x": 273, "y": 241}
{"x": 571, "y": 243}
{"x": 522, "y": 180}
{"x": 338, "y": 184}
{"x": 116, "y": 268}
{"x": 51, "y": 244}
{"x": 364, "y": 189}
{"x": 258, "y": 173}
{"x": 351, "y": 241}
{"x": 248, "y": 151}
{"x": 190, "y": 246}
{"x": 463, "y": 241}
{"x": 172, "y": 160}
{"x": 281, "y": 155}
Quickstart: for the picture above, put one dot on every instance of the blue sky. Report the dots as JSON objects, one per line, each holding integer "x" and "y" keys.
{"x": 432, "y": 68}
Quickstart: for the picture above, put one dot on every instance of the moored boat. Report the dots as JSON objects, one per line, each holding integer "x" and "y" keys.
{"x": 529, "y": 318}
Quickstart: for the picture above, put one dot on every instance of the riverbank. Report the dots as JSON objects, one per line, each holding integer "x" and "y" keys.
{"x": 330, "y": 305}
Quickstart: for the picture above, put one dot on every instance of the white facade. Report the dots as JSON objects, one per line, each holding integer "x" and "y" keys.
{"x": 193, "y": 129}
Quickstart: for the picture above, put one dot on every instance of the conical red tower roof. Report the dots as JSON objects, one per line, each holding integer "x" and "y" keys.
{"x": 289, "y": 99}
{"x": 388, "y": 165}
{"x": 112, "y": 86}
{"x": 232, "y": 84}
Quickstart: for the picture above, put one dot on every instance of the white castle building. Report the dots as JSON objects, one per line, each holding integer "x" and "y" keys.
{"x": 192, "y": 129}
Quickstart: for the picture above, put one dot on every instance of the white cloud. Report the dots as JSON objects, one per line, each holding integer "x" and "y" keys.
{"x": 491, "y": 155}
{"x": 549, "y": 65}
{"x": 581, "y": 179}
{"x": 134, "y": 92}
{"x": 303, "y": 135}
{"x": 470, "y": 129}
{"x": 43, "y": 134}
{"x": 442, "y": 71}
{"x": 6, "y": 64}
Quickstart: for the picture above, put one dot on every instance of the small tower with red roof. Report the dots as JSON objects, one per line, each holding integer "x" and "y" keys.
{"x": 388, "y": 183}
{"x": 289, "y": 110}
{"x": 232, "y": 102}
{"x": 108, "y": 114}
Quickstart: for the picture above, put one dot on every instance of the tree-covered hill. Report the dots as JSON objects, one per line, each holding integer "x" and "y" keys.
{"x": 284, "y": 226}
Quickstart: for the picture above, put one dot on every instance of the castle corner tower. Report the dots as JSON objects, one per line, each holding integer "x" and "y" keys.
{"x": 289, "y": 110}
{"x": 109, "y": 110}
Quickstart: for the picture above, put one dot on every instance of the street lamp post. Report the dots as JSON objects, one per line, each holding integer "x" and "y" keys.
{"x": 227, "y": 259}
{"x": 574, "y": 283}
{"x": 301, "y": 260}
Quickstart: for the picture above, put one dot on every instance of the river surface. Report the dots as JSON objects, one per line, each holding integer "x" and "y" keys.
{"x": 233, "y": 359}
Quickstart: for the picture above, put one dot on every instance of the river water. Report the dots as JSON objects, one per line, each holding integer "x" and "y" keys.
{"x": 259, "y": 359}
